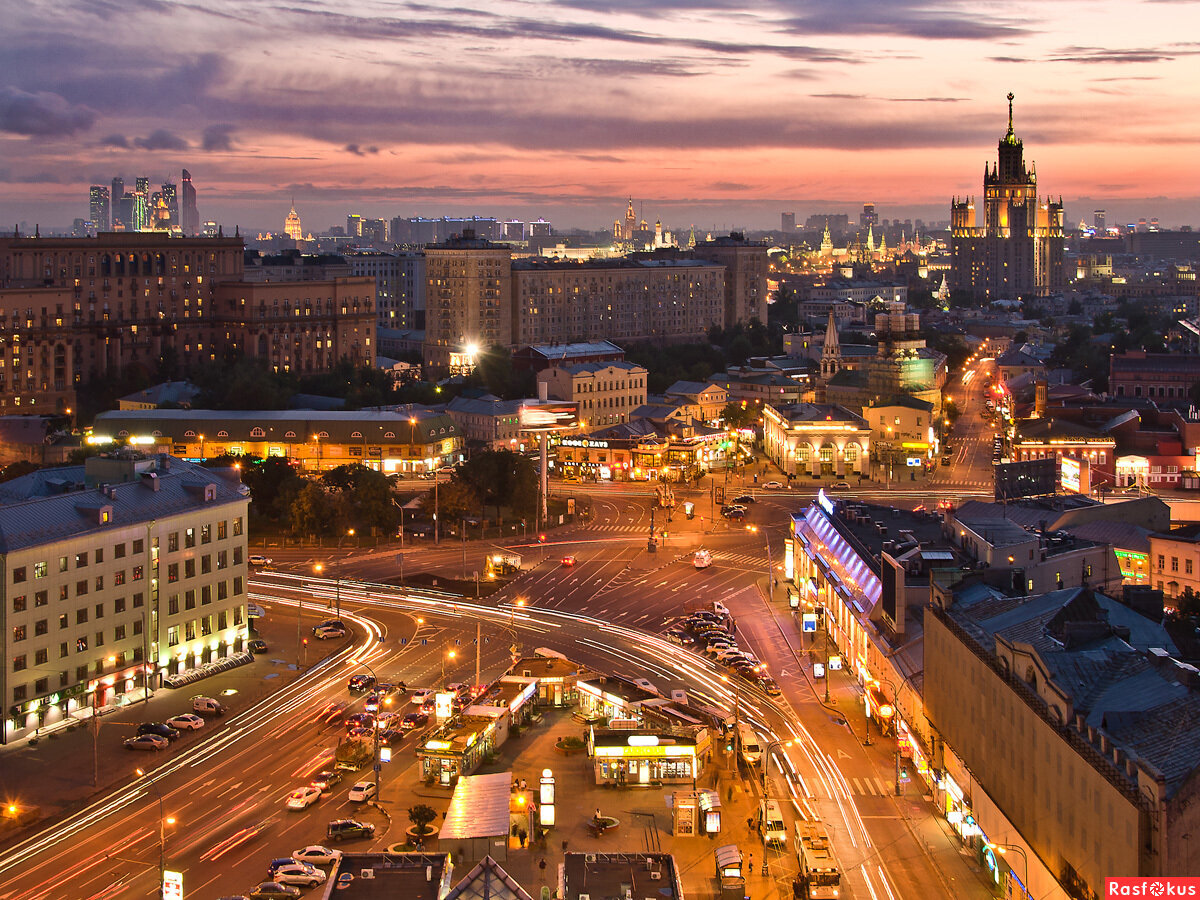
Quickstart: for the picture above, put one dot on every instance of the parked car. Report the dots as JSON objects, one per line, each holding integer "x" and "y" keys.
{"x": 162, "y": 730}
{"x": 257, "y": 559}
{"x": 680, "y": 637}
{"x": 300, "y": 874}
{"x": 273, "y": 890}
{"x": 362, "y": 791}
{"x": 744, "y": 499}
{"x": 349, "y": 829}
{"x": 325, "y": 781}
{"x": 840, "y": 486}
{"x": 735, "y": 515}
{"x": 303, "y": 798}
{"x": 258, "y": 645}
{"x": 186, "y": 722}
{"x": 316, "y": 855}
{"x": 207, "y": 706}
{"x": 361, "y": 683}
{"x": 147, "y": 742}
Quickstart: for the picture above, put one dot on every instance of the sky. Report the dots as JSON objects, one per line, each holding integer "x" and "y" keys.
{"x": 712, "y": 113}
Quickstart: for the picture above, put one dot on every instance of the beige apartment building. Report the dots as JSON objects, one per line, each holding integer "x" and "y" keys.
{"x": 607, "y": 393}
{"x": 468, "y": 296}
{"x": 112, "y": 575}
{"x": 1175, "y": 561}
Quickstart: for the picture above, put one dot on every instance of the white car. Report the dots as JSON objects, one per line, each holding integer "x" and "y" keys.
{"x": 327, "y": 632}
{"x": 186, "y": 722}
{"x": 702, "y": 559}
{"x": 303, "y": 798}
{"x": 257, "y": 559}
{"x": 316, "y": 855}
{"x": 420, "y": 698}
{"x": 300, "y": 873}
{"x": 773, "y": 485}
{"x": 147, "y": 742}
{"x": 362, "y": 792}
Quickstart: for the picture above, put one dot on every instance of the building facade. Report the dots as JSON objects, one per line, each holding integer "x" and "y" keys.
{"x": 113, "y": 574}
{"x": 1157, "y": 375}
{"x": 490, "y": 421}
{"x": 746, "y": 267}
{"x": 399, "y": 286}
{"x": 816, "y": 439}
{"x": 1017, "y": 249}
{"x": 410, "y": 442}
{"x": 607, "y": 393}
{"x": 468, "y": 299}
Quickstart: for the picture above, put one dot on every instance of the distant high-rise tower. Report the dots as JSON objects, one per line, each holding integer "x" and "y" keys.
{"x": 354, "y": 225}
{"x": 831, "y": 351}
{"x": 787, "y": 222}
{"x": 1098, "y": 217}
{"x": 98, "y": 207}
{"x": 142, "y": 188}
{"x": 1018, "y": 249}
{"x": 118, "y": 191}
{"x": 170, "y": 197}
{"x": 189, "y": 216}
{"x": 630, "y": 222}
{"x": 868, "y": 216}
{"x": 291, "y": 225}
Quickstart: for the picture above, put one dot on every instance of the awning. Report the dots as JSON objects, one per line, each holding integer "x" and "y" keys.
{"x": 479, "y": 807}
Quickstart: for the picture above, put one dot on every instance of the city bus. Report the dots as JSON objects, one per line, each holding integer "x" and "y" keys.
{"x": 820, "y": 878}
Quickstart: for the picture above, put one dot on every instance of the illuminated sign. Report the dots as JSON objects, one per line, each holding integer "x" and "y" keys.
{"x": 810, "y": 622}
{"x": 835, "y": 663}
{"x": 583, "y": 442}
{"x": 818, "y": 670}
{"x": 172, "y": 886}
{"x": 665, "y": 750}
{"x": 1070, "y": 474}
{"x": 552, "y": 416}
{"x": 643, "y": 740}
{"x": 824, "y": 502}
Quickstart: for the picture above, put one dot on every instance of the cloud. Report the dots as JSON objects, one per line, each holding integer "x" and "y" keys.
{"x": 905, "y": 18}
{"x": 218, "y": 138}
{"x": 360, "y": 151}
{"x": 42, "y": 114}
{"x": 729, "y": 186}
{"x": 160, "y": 139}
{"x": 115, "y": 140}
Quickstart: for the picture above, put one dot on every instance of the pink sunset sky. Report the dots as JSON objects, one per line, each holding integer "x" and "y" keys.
{"x": 708, "y": 112}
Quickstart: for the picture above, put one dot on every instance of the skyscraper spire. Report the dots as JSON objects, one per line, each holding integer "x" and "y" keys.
{"x": 831, "y": 352}
{"x": 1010, "y": 136}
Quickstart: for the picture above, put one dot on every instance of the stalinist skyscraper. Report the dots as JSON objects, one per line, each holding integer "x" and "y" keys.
{"x": 1017, "y": 250}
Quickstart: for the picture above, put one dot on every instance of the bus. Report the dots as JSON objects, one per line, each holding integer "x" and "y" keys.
{"x": 770, "y": 823}
{"x": 820, "y": 877}
{"x": 748, "y": 745}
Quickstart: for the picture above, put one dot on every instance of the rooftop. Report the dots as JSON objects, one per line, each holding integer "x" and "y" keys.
{"x": 414, "y": 876}
{"x": 818, "y": 412}
{"x": 478, "y": 808}
{"x": 615, "y": 876}
{"x": 580, "y": 348}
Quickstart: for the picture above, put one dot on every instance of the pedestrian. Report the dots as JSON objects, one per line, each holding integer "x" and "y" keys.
{"x": 522, "y": 836}
{"x": 524, "y": 786}
{"x": 750, "y": 868}
{"x": 542, "y": 868}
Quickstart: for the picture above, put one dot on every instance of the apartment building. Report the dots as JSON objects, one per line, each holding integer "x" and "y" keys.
{"x": 468, "y": 301}
{"x": 113, "y": 574}
{"x": 607, "y": 393}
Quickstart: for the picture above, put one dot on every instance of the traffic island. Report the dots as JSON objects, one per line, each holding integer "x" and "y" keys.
{"x": 569, "y": 746}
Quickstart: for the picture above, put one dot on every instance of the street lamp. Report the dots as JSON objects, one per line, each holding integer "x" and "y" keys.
{"x": 1002, "y": 849}
{"x": 318, "y": 568}
{"x": 450, "y": 655}
{"x": 163, "y": 822}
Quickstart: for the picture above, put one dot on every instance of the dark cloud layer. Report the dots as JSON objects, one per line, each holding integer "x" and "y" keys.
{"x": 42, "y": 114}
{"x": 218, "y": 138}
{"x": 160, "y": 139}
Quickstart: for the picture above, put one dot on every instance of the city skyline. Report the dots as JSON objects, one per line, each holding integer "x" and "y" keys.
{"x": 707, "y": 114}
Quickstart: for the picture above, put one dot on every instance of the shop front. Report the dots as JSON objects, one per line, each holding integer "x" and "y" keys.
{"x": 556, "y": 678}
{"x": 666, "y": 756}
{"x": 459, "y": 747}
{"x": 608, "y": 699}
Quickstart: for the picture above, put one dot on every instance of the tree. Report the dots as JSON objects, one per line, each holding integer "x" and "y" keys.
{"x": 420, "y": 816}
{"x": 737, "y": 415}
{"x": 314, "y": 513}
{"x": 454, "y": 500}
{"x": 273, "y": 484}
{"x": 366, "y": 496}
{"x": 501, "y": 478}
{"x": 17, "y": 469}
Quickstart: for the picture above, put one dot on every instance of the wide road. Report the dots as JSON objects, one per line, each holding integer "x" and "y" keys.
{"x": 225, "y": 789}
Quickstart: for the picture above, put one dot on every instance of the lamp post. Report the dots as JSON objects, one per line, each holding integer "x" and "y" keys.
{"x": 163, "y": 822}
{"x": 895, "y": 714}
{"x": 201, "y": 448}
{"x": 450, "y": 655}
{"x": 1003, "y": 849}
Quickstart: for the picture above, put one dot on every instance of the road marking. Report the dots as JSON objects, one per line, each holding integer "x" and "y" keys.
{"x": 884, "y": 787}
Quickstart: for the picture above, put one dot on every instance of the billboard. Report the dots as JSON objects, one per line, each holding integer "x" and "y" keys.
{"x": 1028, "y": 478}
{"x": 549, "y": 415}
{"x": 1076, "y": 475}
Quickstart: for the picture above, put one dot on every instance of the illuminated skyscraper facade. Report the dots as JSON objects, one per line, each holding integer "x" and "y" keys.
{"x": 1017, "y": 250}
{"x": 99, "y": 208}
{"x": 189, "y": 216}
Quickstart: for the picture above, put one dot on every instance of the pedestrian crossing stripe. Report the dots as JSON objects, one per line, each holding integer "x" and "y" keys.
{"x": 875, "y": 787}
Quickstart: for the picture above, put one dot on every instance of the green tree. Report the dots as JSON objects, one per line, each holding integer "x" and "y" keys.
{"x": 17, "y": 469}
{"x": 314, "y": 513}
{"x": 734, "y": 415}
{"x": 366, "y": 497}
{"x": 420, "y": 816}
{"x": 454, "y": 500}
{"x": 501, "y": 478}
{"x": 273, "y": 484}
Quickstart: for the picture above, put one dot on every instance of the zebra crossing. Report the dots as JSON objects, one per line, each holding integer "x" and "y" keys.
{"x": 870, "y": 787}
{"x": 743, "y": 559}
{"x": 620, "y": 529}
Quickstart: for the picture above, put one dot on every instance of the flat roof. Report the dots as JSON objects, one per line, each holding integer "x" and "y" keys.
{"x": 604, "y": 875}
{"x": 392, "y": 875}
{"x": 479, "y": 807}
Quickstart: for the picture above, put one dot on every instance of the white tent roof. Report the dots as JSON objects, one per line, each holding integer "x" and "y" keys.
{"x": 479, "y": 807}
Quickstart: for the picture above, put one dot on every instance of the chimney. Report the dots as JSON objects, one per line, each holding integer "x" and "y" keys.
{"x": 1039, "y": 398}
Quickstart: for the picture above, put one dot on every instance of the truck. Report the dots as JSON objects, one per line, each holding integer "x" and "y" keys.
{"x": 502, "y": 563}
{"x": 353, "y": 753}
{"x": 819, "y": 878}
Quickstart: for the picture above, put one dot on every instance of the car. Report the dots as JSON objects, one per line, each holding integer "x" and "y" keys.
{"x": 421, "y": 697}
{"x": 709, "y": 630}
{"x": 840, "y": 486}
{"x": 702, "y": 559}
{"x": 363, "y": 791}
{"x": 770, "y": 687}
{"x": 279, "y": 862}
{"x": 459, "y": 688}
{"x": 729, "y": 654}
{"x": 186, "y": 722}
{"x": 773, "y": 485}
{"x": 704, "y": 616}
{"x": 332, "y": 713}
{"x": 162, "y": 730}
{"x": 361, "y": 683}
{"x": 316, "y": 855}
{"x": 258, "y": 645}
{"x": 680, "y": 637}
{"x": 325, "y": 781}
{"x": 303, "y": 798}
{"x": 147, "y": 742}
{"x": 413, "y": 720}
{"x": 299, "y": 873}
{"x": 329, "y": 632}
{"x": 374, "y": 701}
{"x": 360, "y": 720}
{"x": 275, "y": 891}
{"x": 349, "y": 829}
{"x": 567, "y": 561}
{"x": 744, "y": 499}
{"x": 390, "y": 737}
{"x": 735, "y": 515}
{"x": 946, "y": 460}
{"x": 257, "y": 559}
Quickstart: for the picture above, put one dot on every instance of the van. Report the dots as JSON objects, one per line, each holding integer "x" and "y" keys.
{"x": 748, "y": 745}
{"x": 770, "y": 823}
{"x": 207, "y": 706}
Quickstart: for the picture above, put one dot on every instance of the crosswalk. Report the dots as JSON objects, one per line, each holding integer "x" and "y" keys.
{"x": 620, "y": 529}
{"x": 871, "y": 787}
{"x": 743, "y": 559}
